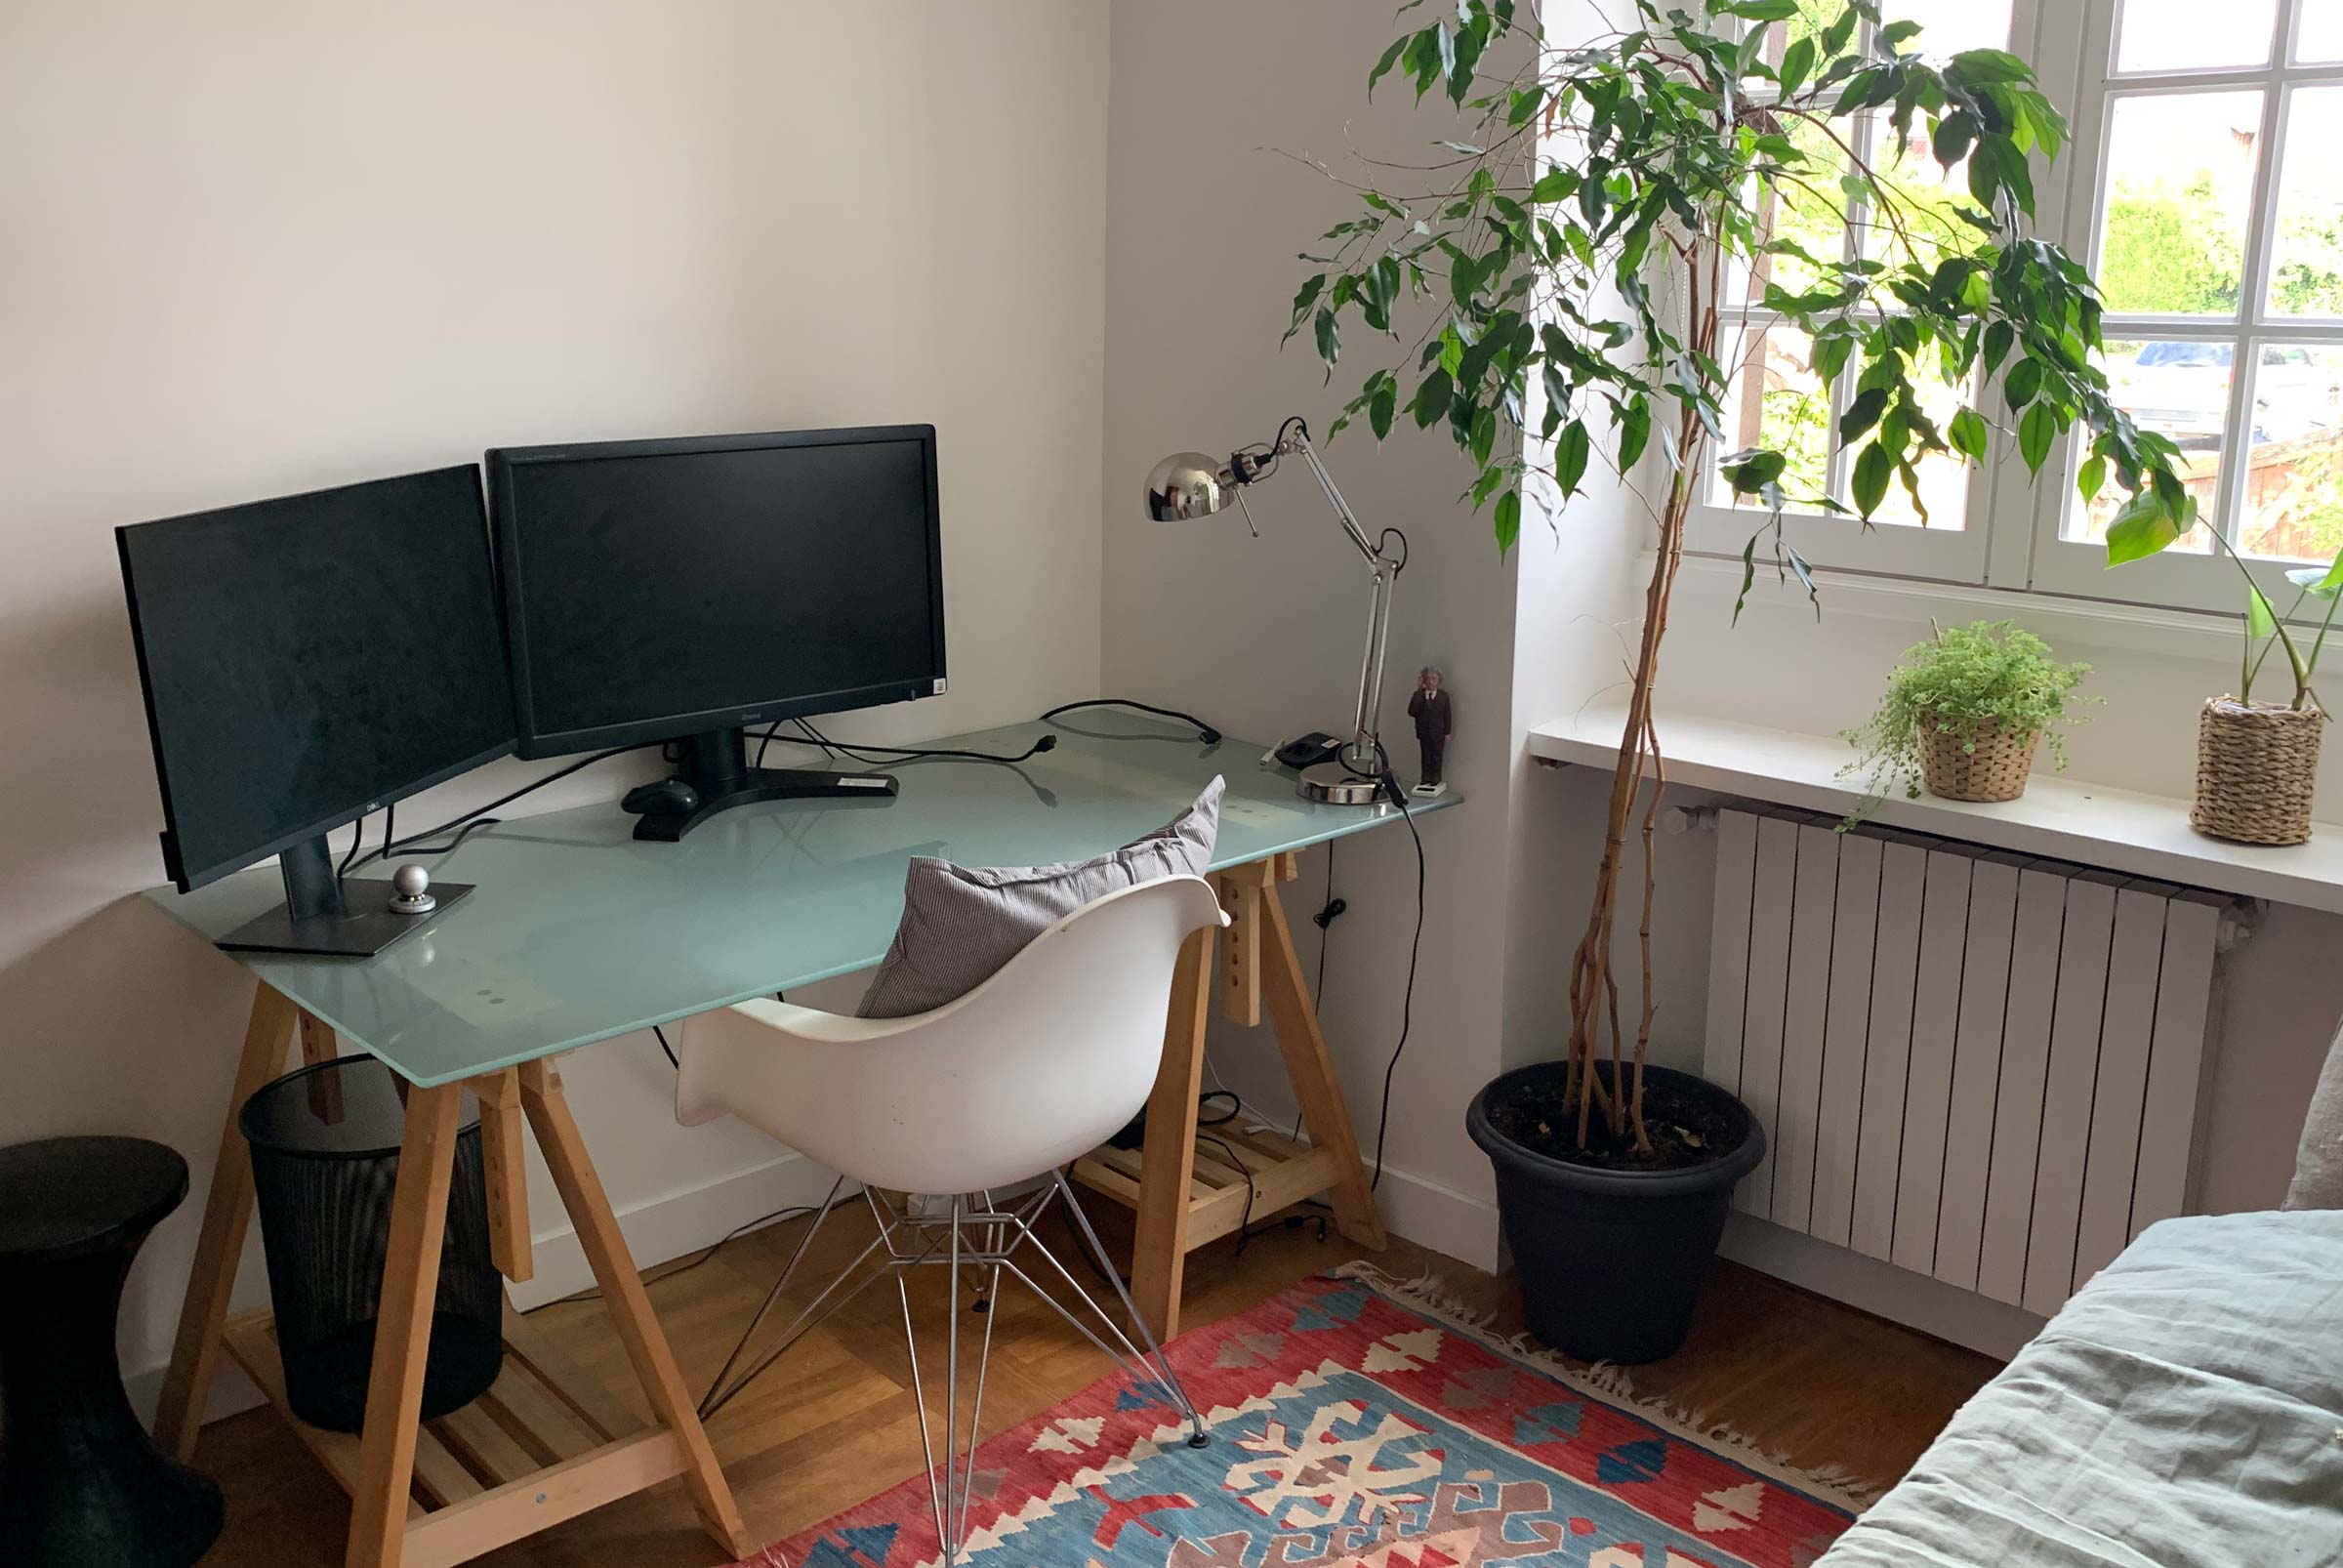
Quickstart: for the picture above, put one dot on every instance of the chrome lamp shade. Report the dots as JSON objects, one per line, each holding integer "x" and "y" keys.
{"x": 1187, "y": 486}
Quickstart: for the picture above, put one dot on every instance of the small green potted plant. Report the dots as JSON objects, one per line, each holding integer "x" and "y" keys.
{"x": 1963, "y": 713}
{"x": 2257, "y": 762}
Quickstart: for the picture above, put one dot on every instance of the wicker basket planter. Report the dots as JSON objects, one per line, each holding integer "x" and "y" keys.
{"x": 2257, "y": 766}
{"x": 1994, "y": 771}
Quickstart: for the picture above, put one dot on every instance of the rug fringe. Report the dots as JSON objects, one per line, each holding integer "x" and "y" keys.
{"x": 1431, "y": 1295}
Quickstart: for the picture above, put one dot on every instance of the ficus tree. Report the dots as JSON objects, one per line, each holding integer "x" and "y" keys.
{"x": 1559, "y": 280}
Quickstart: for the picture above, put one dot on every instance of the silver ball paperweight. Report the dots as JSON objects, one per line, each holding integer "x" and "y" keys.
{"x": 411, "y": 886}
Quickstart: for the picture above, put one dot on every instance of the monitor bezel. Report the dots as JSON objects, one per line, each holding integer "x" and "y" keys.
{"x": 503, "y": 462}
{"x": 185, "y": 879}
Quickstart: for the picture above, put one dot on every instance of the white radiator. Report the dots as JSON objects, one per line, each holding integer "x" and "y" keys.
{"x": 1972, "y": 1064}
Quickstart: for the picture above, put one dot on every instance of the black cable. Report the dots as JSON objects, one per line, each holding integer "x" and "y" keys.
{"x": 1046, "y": 743}
{"x": 1251, "y": 1191}
{"x": 357, "y": 837}
{"x": 661, "y": 1035}
{"x": 1204, "y": 731}
{"x": 1324, "y": 920}
{"x": 558, "y": 773}
{"x": 1394, "y": 533}
{"x": 475, "y": 825}
{"x": 1236, "y": 1106}
{"x": 1407, "y": 1011}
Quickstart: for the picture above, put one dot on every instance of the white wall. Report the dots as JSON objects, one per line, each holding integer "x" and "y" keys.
{"x": 1262, "y": 635}
{"x": 248, "y": 248}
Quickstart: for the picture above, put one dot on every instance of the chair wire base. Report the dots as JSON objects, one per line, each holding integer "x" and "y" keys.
{"x": 982, "y": 1240}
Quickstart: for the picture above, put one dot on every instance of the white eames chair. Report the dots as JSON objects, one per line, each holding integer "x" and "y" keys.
{"x": 1040, "y": 1064}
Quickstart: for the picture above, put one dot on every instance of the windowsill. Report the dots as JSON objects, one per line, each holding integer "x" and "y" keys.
{"x": 2088, "y": 824}
{"x": 1712, "y": 583}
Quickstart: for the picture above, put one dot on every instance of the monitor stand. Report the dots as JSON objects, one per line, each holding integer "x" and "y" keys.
{"x": 325, "y": 915}
{"x": 716, "y": 764}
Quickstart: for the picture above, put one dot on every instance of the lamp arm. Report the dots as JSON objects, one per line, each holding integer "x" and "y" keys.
{"x": 1364, "y": 754}
{"x": 1300, "y": 441}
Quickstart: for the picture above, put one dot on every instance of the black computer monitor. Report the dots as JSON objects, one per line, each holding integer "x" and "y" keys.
{"x": 308, "y": 660}
{"x": 683, "y": 590}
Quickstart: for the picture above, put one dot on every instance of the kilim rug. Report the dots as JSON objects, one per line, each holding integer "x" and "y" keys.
{"x": 1355, "y": 1423}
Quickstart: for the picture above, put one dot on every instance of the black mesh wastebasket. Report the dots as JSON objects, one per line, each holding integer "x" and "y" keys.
{"x": 325, "y": 1160}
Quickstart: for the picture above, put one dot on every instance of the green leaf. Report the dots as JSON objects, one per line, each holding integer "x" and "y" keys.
{"x": 1571, "y": 452}
{"x": 1302, "y": 301}
{"x": 1954, "y": 134}
{"x": 1836, "y": 35}
{"x": 2035, "y": 431}
{"x": 1796, "y": 61}
{"x": 1508, "y": 520}
{"x": 1390, "y": 59}
{"x": 1758, "y": 10}
{"x": 2025, "y": 379}
{"x": 1635, "y": 430}
{"x": 1330, "y": 340}
{"x": 1432, "y": 399}
{"x": 1754, "y": 472}
{"x": 1555, "y": 185}
{"x": 2321, "y": 581}
{"x": 2261, "y": 620}
{"x": 2092, "y": 477}
{"x": 1873, "y": 468}
{"x": 1968, "y": 434}
{"x": 1381, "y": 404}
{"x": 1999, "y": 337}
{"x": 1984, "y": 68}
{"x": 1861, "y": 415}
{"x": 2141, "y": 528}
{"x": 1483, "y": 440}
{"x": 1464, "y": 279}
{"x": 1831, "y": 355}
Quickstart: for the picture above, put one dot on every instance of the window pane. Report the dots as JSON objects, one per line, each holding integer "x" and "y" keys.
{"x": 2294, "y": 488}
{"x": 2318, "y": 36}
{"x": 1930, "y": 192}
{"x": 1948, "y": 27}
{"x": 1810, "y": 214}
{"x": 1944, "y": 476}
{"x": 2180, "y": 390}
{"x": 2180, "y": 181}
{"x": 2307, "y": 278}
{"x": 2190, "y": 35}
{"x": 1776, "y": 400}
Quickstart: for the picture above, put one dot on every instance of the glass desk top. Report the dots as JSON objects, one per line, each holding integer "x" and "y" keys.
{"x": 578, "y": 932}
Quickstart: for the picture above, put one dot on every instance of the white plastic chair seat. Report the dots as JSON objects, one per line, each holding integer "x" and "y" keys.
{"x": 1032, "y": 1068}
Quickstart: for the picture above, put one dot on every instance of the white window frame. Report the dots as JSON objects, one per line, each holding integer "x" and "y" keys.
{"x": 2010, "y": 534}
{"x": 2182, "y": 581}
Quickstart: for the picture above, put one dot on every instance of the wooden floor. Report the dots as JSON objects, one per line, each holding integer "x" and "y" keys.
{"x": 833, "y": 1422}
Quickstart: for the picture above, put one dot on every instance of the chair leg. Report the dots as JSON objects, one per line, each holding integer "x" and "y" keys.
{"x": 984, "y": 1240}
{"x": 1159, "y": 1363}
{"x": 710, "y": 1403}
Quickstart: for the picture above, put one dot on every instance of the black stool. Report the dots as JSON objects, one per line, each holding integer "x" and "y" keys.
{"x": 80, "y": 1481}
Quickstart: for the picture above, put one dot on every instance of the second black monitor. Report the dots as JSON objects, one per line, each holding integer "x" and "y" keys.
{"x": 655, "y": 590}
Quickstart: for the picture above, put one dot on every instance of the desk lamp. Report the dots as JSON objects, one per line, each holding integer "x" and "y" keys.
{"x": 1194, "y": 484}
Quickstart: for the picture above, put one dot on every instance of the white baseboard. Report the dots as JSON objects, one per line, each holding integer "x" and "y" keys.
{"x": 1930, "y": 1305}
{"x": 657, "y": 1229}
{"x": 1433, "y": 1215}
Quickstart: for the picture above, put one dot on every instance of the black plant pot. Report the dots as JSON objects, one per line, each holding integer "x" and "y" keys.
{"x": 1611, "y": 1261}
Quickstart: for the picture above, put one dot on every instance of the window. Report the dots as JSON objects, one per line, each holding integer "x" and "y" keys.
{"x": 2204, "y": 187}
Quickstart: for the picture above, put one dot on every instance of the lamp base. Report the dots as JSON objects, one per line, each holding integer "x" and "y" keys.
{"x": 1334, "y": 784}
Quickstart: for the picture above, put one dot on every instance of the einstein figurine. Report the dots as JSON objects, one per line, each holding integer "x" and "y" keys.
{"x": 1428, "y": 706}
